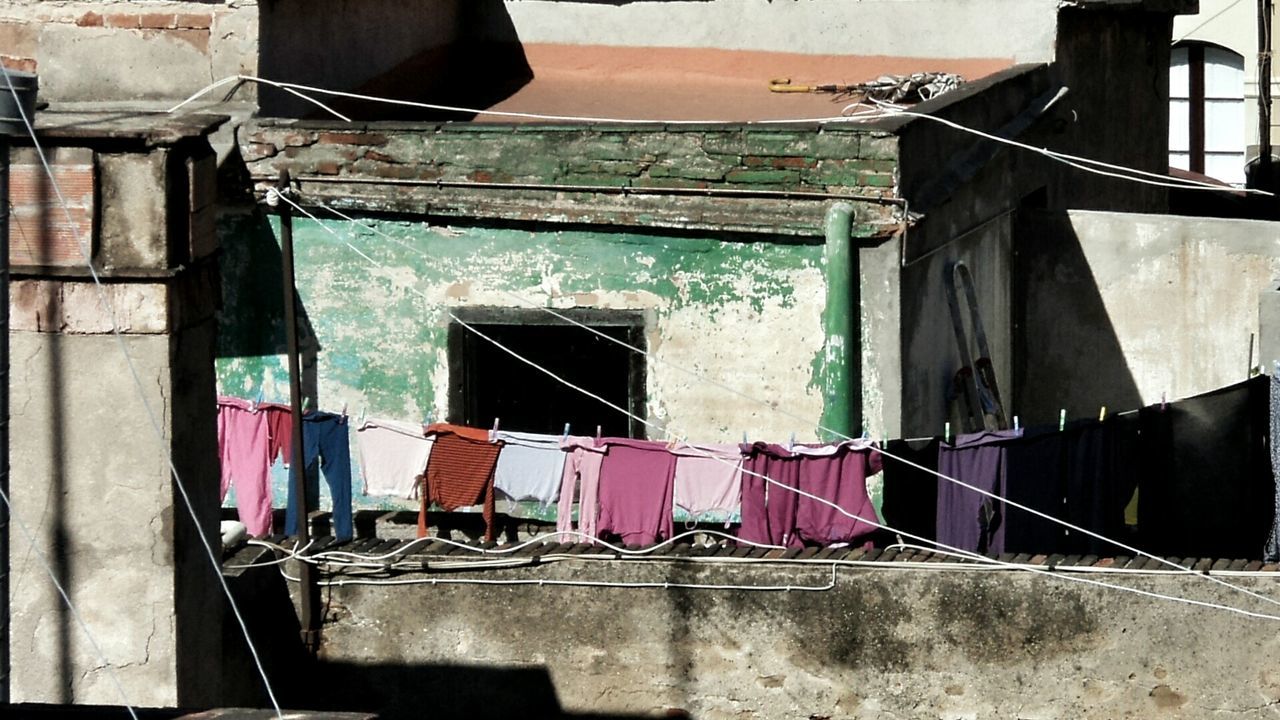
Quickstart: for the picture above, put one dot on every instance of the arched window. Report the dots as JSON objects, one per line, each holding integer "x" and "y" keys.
{"x": 1206, "y": 111}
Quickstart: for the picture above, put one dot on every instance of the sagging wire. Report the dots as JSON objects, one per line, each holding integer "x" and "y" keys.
{"x": 105, "y": 301}
{"x": 855, "y": 112}
{"x": 807, "y": 421}
{"x": 823, "y": 501}
{"x": 1075, "y": 161}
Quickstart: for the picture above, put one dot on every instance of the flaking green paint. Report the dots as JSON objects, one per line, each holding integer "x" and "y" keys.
{"x": 373, "y": 343}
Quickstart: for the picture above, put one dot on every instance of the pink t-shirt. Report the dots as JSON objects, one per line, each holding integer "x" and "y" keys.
{"x": 636, "y": 480}
{"x": 708, "y": 478}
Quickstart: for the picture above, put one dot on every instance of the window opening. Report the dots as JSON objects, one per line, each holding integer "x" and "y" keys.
{"x": 488, "y": 383}
{"x": 1207, "y": 111}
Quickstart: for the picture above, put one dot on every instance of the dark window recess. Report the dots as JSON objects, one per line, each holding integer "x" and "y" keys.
{"x": 487, "y": 382}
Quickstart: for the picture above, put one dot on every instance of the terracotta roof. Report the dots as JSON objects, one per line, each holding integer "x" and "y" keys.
{"x": 700, "y": 83}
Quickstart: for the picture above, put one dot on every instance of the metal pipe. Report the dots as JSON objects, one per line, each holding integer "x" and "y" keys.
{"x": 4, "y": 419}
{"x": 308, "y": 588}
{"x": 840, "y": 351}
{"x": 1265, "y": 11}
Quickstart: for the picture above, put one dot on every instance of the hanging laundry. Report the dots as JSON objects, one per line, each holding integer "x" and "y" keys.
{"x": 1271, "y": 552}
{"x": 967, "y": 519}
{"x": 708, "y": 479}
{"x": 279, "y": 431}
{"x": 581, "y": 470}
{"x": 636, "y": 479}
{"x": 910, "y": 493}
{"x": 459, "y": 473}
{"x": 1207, "y": 487}
{"x": 242, "y": 450}
{"x": 530, "y": 467}
{"x": 326, "y": 447}
{"x": 774, "y": 515}
{"x": 1036, "y": 477}
{"x": 392, "y": 457}
{"x": 1102, "y": 468}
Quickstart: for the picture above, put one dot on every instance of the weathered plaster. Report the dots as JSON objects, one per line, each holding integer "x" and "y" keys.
{"x": 744, "y": 313}
{"x": 1126, "y": 308}
{"x": 883, "y": 643}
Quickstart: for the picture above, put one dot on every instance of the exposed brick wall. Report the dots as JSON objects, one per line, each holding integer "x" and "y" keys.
{"x": 40, "y": 233}
{"x": 837, "y": 160}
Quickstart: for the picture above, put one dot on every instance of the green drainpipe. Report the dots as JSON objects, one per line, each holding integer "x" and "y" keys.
{"x": 840, "y": 342}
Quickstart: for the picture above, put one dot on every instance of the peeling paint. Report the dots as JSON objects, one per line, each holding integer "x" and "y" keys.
{"x": 747, "y": 315}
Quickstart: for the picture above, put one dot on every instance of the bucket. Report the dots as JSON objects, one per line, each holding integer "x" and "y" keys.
{"x": 26, "y": 84}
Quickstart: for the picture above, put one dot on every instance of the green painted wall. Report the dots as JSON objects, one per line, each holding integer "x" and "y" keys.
{"x": 745, "y": 313}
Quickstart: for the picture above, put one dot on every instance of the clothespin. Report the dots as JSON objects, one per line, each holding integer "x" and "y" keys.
{"x": 360, "y": 420}
{"x": 344, "y": 409}
{"x": 1016, "y": 425}
{"x": 597, "y": 432}
{"x": 258, "y": 403}
{"x": 493, "y": 434}
{"x": 1102, "y": 414}
{"x": 745, "y": 441}
{"x": 946, "y": 432}
{"x": 566, "y": 432}
{"x": 792, "y": 442}
{"x": 1163, "y": 402}
{"x": 1062, "y": 419}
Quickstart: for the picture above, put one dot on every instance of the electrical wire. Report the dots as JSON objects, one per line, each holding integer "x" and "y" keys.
{"x": 295, "y": 87}
{"x": 1077, "y": 162}
{"x": 855, "y": 112}
{"x": 105, "y": 301}
{"x": 794, "y": 416}
{"x": 668, "y": 432}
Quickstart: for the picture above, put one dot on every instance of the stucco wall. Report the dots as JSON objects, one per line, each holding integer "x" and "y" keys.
{"x": 949, "y": 29}
{"x": 885, "y": 642}
{"x": 1122, "y": 308}
{"x": 747, "y": 314}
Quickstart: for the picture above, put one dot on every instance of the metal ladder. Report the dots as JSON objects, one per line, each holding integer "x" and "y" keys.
{"x": 974, "y": 383}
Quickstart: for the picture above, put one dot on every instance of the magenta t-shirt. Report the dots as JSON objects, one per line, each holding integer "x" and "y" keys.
{"x": 774, "y": 515}
{"x": 636, "y": 479}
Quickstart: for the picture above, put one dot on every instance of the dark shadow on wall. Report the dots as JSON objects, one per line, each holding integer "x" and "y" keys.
{"x": 448, "y": 52}
{"x": 251, "y": 322}
{"x": 1066, "y": 352}
{"x": 395, "y": 691}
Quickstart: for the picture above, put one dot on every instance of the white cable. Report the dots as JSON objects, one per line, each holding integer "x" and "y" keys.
{"x": 794, "y": 416}
{"x": 1076, "y": 161}
{"x": 294, "y": 87}
{"x": 112, "y": 673}
{"x": 106, "y": 303}
{"x": 868, "y": 113}
{"x": 1207, "y": 20}
{"x": 668, "y": 432}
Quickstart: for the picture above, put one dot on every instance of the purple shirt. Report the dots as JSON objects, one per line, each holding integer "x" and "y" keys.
{"x": 966, "y": 519}
{"x": 636, "y": 480}
{"x": 773, "y": 515}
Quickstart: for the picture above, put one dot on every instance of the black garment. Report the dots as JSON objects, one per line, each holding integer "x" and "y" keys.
{"x": 1035, "y": 477}
{"x": 1207, "y": 489}
{"x": 910, "y": 500}
{"x": 1102, "y": 467}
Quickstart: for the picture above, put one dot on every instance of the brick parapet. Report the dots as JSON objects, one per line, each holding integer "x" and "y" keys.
{"x": 743, "y": 178}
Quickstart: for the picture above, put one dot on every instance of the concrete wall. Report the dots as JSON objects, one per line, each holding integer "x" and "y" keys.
{"x": 883, "y": 643}
{"x": 746, "y": 313}
{"x": 90, "y": 478}
{"x": 1122, "y": 308}
{"x": 95, "y": 51}
{"x": 1022, "y": 30}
